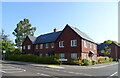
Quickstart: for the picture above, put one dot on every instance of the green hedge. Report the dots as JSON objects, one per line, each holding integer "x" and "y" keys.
{"x": 105, "y": 60}
{"x": 35, "y": 58}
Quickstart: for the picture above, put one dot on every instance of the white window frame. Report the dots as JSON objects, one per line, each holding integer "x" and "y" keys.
{"x": 74, "y": 56}
{"x": 24, "y": 47}
{"x": 90, "y": 45}
{"x": 95, "y": 47}
{"x": 61, "y": 44}
{"x": 47, "y": 45}
{"x": 73, "y": 43}
{"x": 52, "y": 45}
{"x": 84, "y": 55}
{"x": 62, "y": 55}
{"x": 85, "y": 44}
{"x": 29, "y": 47}
{"x": 36, "y": 46}
{"x": 41, "y": 46}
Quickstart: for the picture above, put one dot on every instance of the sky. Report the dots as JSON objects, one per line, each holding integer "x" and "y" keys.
{"x": 99, "y": 20}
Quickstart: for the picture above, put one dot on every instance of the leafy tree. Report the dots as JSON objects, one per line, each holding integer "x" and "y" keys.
{"x": 23, "y": 29}
{"x": 106, "y": 51}
{"x": 109, "y": 42}
{"x": 6, "y": 44}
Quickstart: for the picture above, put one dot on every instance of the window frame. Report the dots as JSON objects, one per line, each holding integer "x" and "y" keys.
{"x": 73, "y": 43}
{"x": 62, "y": 57}
{"x": 36, "y": 46}
{"x": 47, "y": 45}
{"x": 72, "y": 54}
{"x": 52, "y": 45}
{"x": 85, "y": 43}
{"x": 29, "y": 47}
{"x": 61, "y": 44}
{"x": 41, "y": 46}
{"x": 24, "y": 47}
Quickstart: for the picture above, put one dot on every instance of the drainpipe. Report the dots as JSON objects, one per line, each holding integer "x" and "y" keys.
{"x": 116, "y": 52}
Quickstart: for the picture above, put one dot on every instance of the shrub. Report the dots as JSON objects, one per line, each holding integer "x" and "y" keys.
{"x": 34, "y": 58}
{"x": 94, "y": 62}
{"x": 110, "y": 59}
{"x": 74, "y": 62}
{"x": 86, "y": 62}
{"x": 107, "y": 59}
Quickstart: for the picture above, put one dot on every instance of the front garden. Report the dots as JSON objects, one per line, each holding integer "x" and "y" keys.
{"x": 54, "y": 60}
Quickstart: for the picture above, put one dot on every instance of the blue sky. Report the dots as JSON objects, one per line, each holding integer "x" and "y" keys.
{"x": 99, "y": 20}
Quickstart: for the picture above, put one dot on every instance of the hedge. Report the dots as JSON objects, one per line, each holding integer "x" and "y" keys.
{"x": 34, "y": 58}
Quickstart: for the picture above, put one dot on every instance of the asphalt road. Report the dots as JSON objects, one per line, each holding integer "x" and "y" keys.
{"x": 107, "y": 70}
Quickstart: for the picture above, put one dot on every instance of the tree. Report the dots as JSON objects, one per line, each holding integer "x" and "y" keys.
{"x": 109, "y": 42}
{"x": 6, "y": 44}
{"x": 106, "y": 51}
{"x": 23, "y": 29}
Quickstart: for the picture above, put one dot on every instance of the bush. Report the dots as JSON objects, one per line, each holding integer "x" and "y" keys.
{"x": 110, "y": 59}
{"x": 107, "y": 59}
{"x": 74, "y": 62}
{"x": 86, "y": 62}
{"x": 94, "y": 62}
{"x": 34, "y": 58}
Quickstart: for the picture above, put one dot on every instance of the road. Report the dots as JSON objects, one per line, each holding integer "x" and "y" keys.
{"x": 107, "y": 70}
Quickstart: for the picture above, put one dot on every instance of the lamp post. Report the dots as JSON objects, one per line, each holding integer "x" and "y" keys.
{"x": 116, "y": 52}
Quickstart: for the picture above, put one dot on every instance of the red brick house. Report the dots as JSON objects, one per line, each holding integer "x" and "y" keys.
{"x": 70, "y": 43}
{"x": 115, "y": 50}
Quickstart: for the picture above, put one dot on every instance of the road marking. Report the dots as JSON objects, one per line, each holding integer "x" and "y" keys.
{"x": 113, "y": 74}
{"x": 54, "y": 66}
{"x": 43, "y": 74}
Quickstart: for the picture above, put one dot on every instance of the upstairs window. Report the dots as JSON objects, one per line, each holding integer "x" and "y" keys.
{"x": 36, "y": 46}
{"x": 74, "y": 56}
{"x": 29, "y": 47}
{"x": 85, "y": 44}
{"x": 52, "y": 45}
{"x": 41, "y": 46}
{"x": 46, "y": 45}
{"x": 61, "y": 44}
{"x": 73, "y": 43}
{"x": 24, "y": 47}
{"x": 90, "y": 45}
{"x": 95, "y": 47}
{"x": 62, "y": 56}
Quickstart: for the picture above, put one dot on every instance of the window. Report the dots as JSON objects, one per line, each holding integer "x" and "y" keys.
{"x": 74, "y": 56}
{"x": 52, "y": 45}
{"x": 47, "y": 45}
{"x": 29, "y": 47}
{"x": 95, "y": 47}
{"x": 46, "y": 54}
{"x": 84, "y": 55}
{"x": 61, "y": 44}
{"x": 73, "y": 43}
{"x": 62, "y": 55}
{"x": 90, "y": 45}
{"x": 85, "y": 43}
{"x": 36, "y": 46}
{"x": 41, "y": 46}
{"x": 24, "y": 47}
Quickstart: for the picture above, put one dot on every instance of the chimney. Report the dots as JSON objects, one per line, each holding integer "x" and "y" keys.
{"x": 55, "y": 30}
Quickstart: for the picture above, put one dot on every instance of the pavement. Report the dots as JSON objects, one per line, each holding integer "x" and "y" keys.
{"x": 13, "y": 68}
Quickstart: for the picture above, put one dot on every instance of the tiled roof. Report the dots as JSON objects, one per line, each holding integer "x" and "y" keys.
{"x": 32, "y": 38}
{"x": 50, "y": 37}
{"x": 82, "y": 34}
{"x": 102, "y": 46}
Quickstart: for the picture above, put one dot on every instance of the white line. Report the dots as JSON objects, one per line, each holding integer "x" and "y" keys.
{"x": 44, "y": 74}
{"x": 113, "y": 74}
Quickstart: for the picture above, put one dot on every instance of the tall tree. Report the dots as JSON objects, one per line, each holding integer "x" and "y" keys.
{"x": 23, "y": 29}
{"x": 106, "y": 51}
